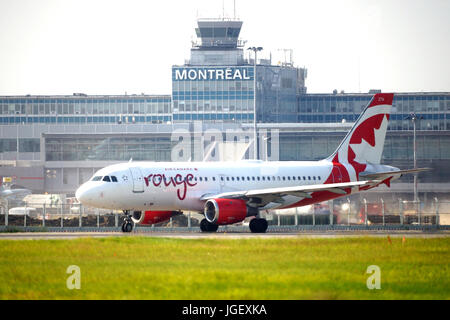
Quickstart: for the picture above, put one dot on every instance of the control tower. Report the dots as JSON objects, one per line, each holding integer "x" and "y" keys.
{"x": 217, "y": 84}
{"x": 217, "y": 43}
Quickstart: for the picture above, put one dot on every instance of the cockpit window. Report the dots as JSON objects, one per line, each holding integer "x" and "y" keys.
{"x": 107, "y": 179}
{"x": 114, "y": 179}
{"x": 97, "y": 178}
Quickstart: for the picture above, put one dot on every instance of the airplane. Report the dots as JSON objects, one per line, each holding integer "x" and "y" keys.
{"x": 228, "y": 192}
{"x": 9, "y": 194}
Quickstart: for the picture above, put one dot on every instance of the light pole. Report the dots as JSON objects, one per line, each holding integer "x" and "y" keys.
{"x": 413, "y": 117}
{"x": 255, "y": 142}
{"x": 265, "y": 144}
{"x": 17, "y": 142}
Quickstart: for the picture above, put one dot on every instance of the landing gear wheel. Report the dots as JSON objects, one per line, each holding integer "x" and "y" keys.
{"x": 258, "y": 225}
{"x": 206, "y": 226}
{"x": 128, "y": 227}
{"x": 128, "y": 224}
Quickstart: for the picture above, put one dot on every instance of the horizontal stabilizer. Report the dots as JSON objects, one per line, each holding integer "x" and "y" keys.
{"x": 384, "y": 175}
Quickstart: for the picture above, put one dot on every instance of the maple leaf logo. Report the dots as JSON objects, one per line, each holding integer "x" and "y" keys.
{"x": 366, "y": 143}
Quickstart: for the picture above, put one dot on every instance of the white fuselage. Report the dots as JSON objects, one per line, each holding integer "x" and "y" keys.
{"x": 179, "y": 186}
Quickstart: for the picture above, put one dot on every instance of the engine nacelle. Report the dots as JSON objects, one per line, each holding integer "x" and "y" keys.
{"x": 227, "y": 211}
{"x": 152, "y": 217}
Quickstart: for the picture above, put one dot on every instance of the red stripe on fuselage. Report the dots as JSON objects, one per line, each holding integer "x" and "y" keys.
{"x": 338, "y": 174}
{"x": 317, "y": 197}
{"x": 356, "y": 165}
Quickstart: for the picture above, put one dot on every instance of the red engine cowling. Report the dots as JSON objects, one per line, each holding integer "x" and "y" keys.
{"x": 225, "y": 211}
{"x": 152, "y": 217}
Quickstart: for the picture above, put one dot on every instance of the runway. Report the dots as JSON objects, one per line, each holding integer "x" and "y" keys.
{"x": 224, "y": 235}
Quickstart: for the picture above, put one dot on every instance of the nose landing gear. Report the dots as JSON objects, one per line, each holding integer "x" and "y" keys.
{"x": 128, "y": 224}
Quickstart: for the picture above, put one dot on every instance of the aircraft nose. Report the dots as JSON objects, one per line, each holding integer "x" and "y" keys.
{"x": 83, "y": 194}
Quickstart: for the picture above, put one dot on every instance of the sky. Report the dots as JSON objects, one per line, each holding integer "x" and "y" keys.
{"x": 53, "y": 47}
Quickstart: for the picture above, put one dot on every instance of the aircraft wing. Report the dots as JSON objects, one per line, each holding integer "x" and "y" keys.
{"x": 385, "y": 175}
{"x": 14, "y": 193}
{"x": 262, "y": 197}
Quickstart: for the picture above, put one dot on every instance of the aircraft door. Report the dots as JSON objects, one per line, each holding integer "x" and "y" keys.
{"x": 138, "y": 180}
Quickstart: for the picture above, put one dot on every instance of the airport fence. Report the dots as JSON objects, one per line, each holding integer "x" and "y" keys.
{"x": 355, "y": 214}
{"x": 369, "y": 213}
{"x": 58, "y": 215}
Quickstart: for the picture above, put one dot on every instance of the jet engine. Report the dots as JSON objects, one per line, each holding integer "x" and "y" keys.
{"x": 227, "y": 211}
{"x": 152, "y": 217}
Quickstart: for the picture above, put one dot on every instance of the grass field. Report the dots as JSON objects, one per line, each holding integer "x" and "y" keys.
{"x": 155, "y": 268}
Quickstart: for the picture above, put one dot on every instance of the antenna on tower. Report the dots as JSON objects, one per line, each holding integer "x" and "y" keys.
{"x": 234, "y": 9}
{"x": 359, "y": 74}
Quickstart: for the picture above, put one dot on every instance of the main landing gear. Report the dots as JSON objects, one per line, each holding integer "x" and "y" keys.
{"x": 207, "y": 226}
{"x": 128, "y": 224}
{"x": 258, "y": 225}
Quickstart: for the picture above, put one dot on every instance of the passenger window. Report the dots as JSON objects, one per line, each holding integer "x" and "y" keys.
{"x": 314, "y": 177}
{"x": 248, "y": 178}
{"x": 253, "y": 178}
{"x": 206, "y": 178}
{"x": 289, "y": 178}
{"x": 257, "y": 178}
{"x": 293, "y": 178}
{"x": 232, "y": 178}
{"x": 221, "y": 178}
{"x": 309, "y": 178}
{"x": 214, "y": 178}
{"x": 278, "y": 178}
{"x": 304, "y": 178}
{"x": 228, "y": 178}
{"x": 299, "y": 178}
{"x": 201, "y": 179}
{"x": 106, "y": 178}
{"x": 284, "y": 178}
{"x": 237, "y": 178}
{"x": 114, "y": 178}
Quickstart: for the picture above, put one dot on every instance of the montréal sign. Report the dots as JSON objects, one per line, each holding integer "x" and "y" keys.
{"x": 239, "y": 73}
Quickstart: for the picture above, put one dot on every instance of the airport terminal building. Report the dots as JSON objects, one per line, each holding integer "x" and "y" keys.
{"x": 54, "y": 143}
